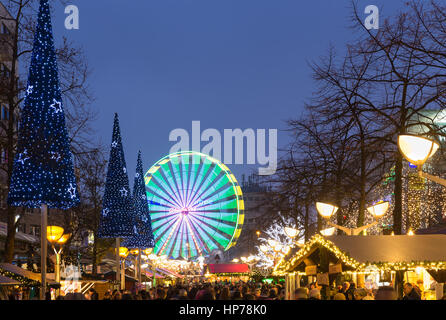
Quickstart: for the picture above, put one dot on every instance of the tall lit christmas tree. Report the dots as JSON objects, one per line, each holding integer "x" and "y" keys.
{"x": 43, "y": 173}
{"x": 43, "y": 167}
{"x": 143, "y": 236}
{"x": 116, "y": 220}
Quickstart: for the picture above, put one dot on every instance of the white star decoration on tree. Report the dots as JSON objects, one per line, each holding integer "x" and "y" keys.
{"x": 135, "y": 230}
{"x": 72, "y": 191}
{"x": 125, "y": 170}
{"x": 137, "y": 175}
{"x": 123, "y": 192}
{"x": 22, "y": 157}
{"x": 105, "y": 212}
{"x": 144, "y": 219}
{"x": 29, "y": 90}
{"x": 143, "y": 197}
{"x": 57, "y": 106}
{"x": 55, "y": 156}
{"x": 114, "y": 144}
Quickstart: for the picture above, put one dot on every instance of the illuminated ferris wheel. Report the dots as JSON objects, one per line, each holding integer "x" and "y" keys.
{"x": 195, "y": 204}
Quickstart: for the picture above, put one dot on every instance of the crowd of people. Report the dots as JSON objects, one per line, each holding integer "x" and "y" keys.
{"x": 252, "y": 291}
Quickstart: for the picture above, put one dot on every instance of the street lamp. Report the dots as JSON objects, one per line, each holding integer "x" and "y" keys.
{"x": 136, "y": 253}
{"x": 417, "y": 150}
{"x": 123, "y": 253}
{"x": 291, "y": 232}
{"x": 55, "y": 235}
{"x": 377, "y": 211}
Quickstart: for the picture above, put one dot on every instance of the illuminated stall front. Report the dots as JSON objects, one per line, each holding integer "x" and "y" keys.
{"x": 232, "y": 272}
{"x": 369, "y": 261}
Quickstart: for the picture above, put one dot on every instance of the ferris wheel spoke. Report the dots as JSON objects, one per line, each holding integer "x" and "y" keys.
{"x": 207, "y": 235}
{"x": 196, "y": 175}
{"x": 202, "y": 181}
{"x": 161, "y": 187}
{"x": 208, "y": 188}
{"x": 173, "y": 174}
{"x": 169, "y": 185}
{"x": 174, "y": 241}
{"x": 202, "y": 222}
{"x": 221, "y": 190}
{"x": 199, "y": 235}
{"x": 218, "y": 221}
{"x": 205, "y": 205}
{"x": 163, "y": 228}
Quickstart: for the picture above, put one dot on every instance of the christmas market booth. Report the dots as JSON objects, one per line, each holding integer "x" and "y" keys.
{"x": 227, "y": 272}
{"x": 28, "y": 281}
{"x": 368, "y": 261}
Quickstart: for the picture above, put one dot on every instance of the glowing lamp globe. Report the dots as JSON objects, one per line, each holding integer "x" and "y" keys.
{"x": 64, "y": 239}
{"x": 148, "y": 251}
{"x": 123, "y": 252}
{"x": 277, "y": 247}
{"x": 54, "y": 233}
{"x": 134, "y": 252}
{"x": 326, "y": 210}
{"x": 379, "y": 209}
{"x": 235, "y": 260}
{"x": 328, "y": 232}
{"x": 417, "y": 149}
{"x": 291, "y": 232}
{"x": 264, "y": 249}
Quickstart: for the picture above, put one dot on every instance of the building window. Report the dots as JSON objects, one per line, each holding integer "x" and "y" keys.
{"x": 35, "y": 230}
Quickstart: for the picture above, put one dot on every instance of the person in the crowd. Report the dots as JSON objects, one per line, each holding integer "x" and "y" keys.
{"x": 301, "y": 294}
{"x": 344, "y": 289}
{"x": 360, "y": 293}
{"x": 350, "y": 294}
{"x": 315, "y": 294}
{"x": 339, "y": 296}
{"x": 225, "y": 294}
{"x": 410, "y": 293}
{"x": 386, "y": 293}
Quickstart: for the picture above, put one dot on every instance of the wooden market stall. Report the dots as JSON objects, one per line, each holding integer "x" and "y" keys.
{"x": 369, "y": 261}
{"x": 227, "y": 272}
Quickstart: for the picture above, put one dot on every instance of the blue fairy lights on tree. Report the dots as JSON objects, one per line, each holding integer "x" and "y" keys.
{"x": 43, "y": 170}
{"x": 116, "y": 219}
{"x": 142, "y": 237}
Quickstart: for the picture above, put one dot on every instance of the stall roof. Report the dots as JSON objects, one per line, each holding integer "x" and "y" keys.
{"x": 228, "y": 268}
{"x": 398, "y": 248}
{"x": 5, "y": 281}
{"x": 24, "y": 273}
{"x": 358, "y": 252}
{"x": 170, "y": 272}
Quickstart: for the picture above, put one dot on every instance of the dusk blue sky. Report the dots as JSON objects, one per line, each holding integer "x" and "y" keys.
{"x": 229, "y": 63}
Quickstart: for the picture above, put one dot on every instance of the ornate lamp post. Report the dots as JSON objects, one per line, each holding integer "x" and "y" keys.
{"x": 123, "y": 253}
{"x": 377, "y": 211}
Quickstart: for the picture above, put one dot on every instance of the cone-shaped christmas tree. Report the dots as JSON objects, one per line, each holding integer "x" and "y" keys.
{"x": 143, "y": 236}
{"x": 43, "y": 167}
{"x": 117, "y": 209}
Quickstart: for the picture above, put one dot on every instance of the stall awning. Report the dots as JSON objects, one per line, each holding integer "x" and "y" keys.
{"x": 23, "y": 273}
{"x": 399, "y": 252}
{"x": 228, "y": 268}
{"x": 170, "y": 273}
{"x": 5, "y": 281}
{"x": 150, "y": 275}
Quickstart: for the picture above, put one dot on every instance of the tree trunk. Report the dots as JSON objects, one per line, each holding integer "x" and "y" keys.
{"x": 363, "y": 181}
{"x": 398, "y": 191}
{"x": 10, "y": 237}
{"x": 306, "y": 222}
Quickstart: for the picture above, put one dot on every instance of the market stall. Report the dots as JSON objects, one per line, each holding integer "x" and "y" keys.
{"x": 369, "y": 261}
{"x": 227, "y": 272}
